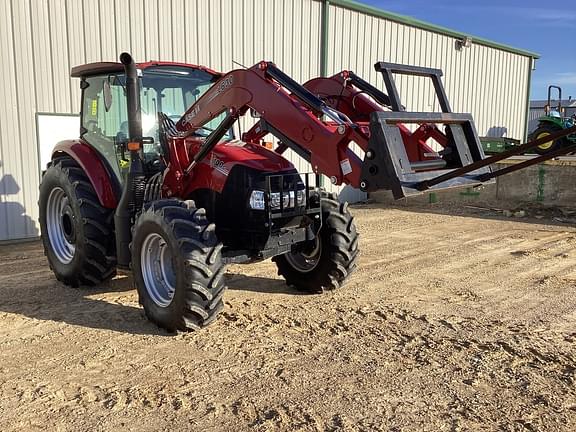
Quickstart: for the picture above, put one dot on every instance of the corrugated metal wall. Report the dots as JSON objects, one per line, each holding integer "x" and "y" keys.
{"x": 40, "y": 40}
{"x": 488, "y": 82}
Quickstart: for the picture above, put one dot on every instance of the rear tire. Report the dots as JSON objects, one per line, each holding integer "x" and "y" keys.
{"x": 77, "y": 232}
{"x": 543, "y": 130}
{"x": 329, "y": 261}
{"x": 177, "y": 265}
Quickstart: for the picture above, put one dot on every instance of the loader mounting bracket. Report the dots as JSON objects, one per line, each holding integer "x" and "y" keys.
{"x": 386, "y": 163}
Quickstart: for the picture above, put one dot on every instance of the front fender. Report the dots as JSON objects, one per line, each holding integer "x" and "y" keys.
{"x": 105, "y": 185}
{"x": 552, "y": 120}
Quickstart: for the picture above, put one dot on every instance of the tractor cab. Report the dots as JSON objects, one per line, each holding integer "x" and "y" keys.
{"x": 166, "y": 89}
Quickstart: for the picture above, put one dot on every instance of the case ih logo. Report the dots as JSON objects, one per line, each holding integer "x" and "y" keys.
{"x": 190, "y": 116}
{"x": 223, "y": 85}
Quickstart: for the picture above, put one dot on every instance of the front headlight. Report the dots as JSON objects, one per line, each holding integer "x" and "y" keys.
{"x": 257, "y": 200}
{"x": 300, "y": 198}
{"x": 275, "y": 200}
{"x": 290, "y": 199}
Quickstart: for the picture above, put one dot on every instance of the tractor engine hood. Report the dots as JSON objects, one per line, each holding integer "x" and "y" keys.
{"x": 252, "y": 155}
{"x": 213, "y": 171}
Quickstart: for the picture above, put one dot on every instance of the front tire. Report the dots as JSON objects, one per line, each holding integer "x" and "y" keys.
{"x": 328, "y": 261}
{"x": 77, "y": 232}
{"x": 177, "y": 265}
{"x": 545, "y": 129}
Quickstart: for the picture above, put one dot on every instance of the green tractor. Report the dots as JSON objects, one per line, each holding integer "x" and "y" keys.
{"x": 553, "y": 121}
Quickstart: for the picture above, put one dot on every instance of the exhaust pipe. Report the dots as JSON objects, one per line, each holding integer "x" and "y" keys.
{"x": 127, "y": 204}
{"x": 132, "y": 97}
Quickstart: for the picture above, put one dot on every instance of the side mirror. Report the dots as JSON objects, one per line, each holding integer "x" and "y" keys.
{"x": 107, "y": 93}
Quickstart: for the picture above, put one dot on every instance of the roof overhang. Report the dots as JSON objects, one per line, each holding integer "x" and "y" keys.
{"x": 96, "y": 69}
{"x": 102, "y": 68}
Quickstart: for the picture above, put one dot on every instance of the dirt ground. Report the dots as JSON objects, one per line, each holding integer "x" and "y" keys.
{"x": 451, "y": 322}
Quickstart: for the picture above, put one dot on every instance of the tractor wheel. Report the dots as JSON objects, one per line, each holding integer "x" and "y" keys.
{"x": 177, "y": 265}
{"x": 544, "y": 130}
{"x": 326, "y": 262}
{"x": 77, "y": 232}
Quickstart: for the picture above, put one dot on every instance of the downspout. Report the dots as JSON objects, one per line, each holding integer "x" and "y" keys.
{"x": 324, "y": 14}
{"x": 324, "y": 38}
{"x": 531, "y": 67}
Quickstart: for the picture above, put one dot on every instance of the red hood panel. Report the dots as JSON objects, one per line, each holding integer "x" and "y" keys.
{"x": 252, "y": 155}
{"x": 212, "y": 173}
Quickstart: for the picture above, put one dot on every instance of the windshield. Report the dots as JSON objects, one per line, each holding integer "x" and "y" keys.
{"x": 167, "y": 89}
{"x": 172, "y": 90}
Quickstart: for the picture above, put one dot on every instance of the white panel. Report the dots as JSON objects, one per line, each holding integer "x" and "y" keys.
{"x": 76, "y": 49}
{"x": 11, "y": 195}
{"x": 107, "y": 21}
{"x": 136, "y": 27}
{"x": 178, "y": 30}
{"x": 151, "y": 43}
{"x": 122, "y": 28}
{"x": 92, "y": 41}
{"x": 17, "y": 160}
{"x": 23, "y": 135}
{"x": 59, "y": 50}
{"x": 202, "y": 31}
{"x": 42, "y": 56}
{"x": 53, "y": 129}
{"x": 191, "y": 31}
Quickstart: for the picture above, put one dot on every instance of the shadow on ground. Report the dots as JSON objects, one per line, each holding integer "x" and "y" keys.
{"x": 241, "y": 282}
{"x": 53, "y": 301}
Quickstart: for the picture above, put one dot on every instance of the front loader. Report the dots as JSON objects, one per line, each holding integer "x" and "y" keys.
{"x": 159, "y": 185}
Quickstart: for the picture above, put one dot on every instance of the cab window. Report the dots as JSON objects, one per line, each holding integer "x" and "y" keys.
{"x": 102, "y": 127}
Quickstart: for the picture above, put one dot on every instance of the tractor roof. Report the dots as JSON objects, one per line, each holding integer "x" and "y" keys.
{"x": 114, "y": 67}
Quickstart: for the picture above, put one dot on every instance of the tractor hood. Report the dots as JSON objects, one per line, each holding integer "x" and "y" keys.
{"x": 212, "y": 173}
{"x": 252, "y": 155}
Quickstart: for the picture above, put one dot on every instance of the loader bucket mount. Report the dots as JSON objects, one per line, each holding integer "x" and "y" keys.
{"x": 386, "y": 163}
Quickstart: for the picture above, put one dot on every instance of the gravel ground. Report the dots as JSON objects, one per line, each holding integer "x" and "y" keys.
{"x": 454, "y": 320}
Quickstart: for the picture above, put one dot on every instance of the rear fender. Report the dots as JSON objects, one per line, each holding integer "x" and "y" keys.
{"x": 102, "y": 179}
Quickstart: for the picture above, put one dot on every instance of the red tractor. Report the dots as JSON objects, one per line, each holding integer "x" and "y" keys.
{"x": 158, "y": 184}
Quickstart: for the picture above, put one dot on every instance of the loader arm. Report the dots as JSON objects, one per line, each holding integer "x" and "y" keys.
{"x": 320, "y": 121}
{"x": 288, "y": 111}
{"x": 356, "y": 98}
{"x": 340, "y": 92}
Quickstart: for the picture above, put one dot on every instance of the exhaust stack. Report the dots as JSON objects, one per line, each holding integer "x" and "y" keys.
{"x": 127, "y": 205}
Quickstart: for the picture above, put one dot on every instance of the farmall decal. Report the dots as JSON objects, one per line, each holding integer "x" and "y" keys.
{"x": 218, "y": 165}
{"x": 222, "y": 86}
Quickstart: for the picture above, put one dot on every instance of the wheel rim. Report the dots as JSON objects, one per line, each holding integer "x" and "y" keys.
{"x": 306, "y": 261}
{"x": 547, "y": 144}
{"x": 60, "y": 226}
{"x": 158, "y": 269}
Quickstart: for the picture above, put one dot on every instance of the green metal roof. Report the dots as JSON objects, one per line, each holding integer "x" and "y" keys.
{"x": 403, "y": 19}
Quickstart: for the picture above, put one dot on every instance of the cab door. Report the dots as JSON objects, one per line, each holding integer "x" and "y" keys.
{"x": 104, "y": 118}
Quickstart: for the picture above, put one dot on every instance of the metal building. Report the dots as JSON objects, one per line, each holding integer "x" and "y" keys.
{"x": 40, "y": 40}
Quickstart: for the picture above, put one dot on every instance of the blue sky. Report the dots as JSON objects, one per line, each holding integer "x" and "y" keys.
{"x": 528, "y": 24}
